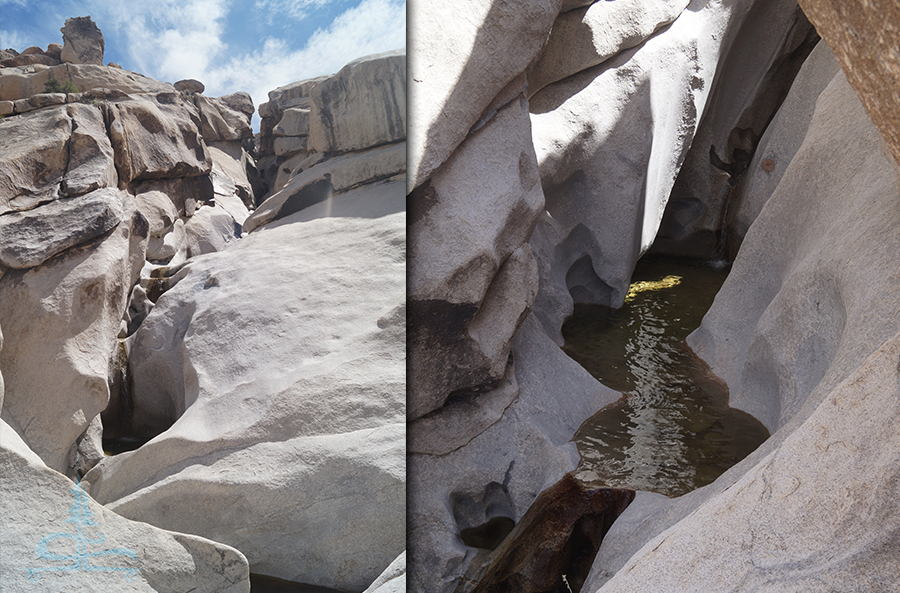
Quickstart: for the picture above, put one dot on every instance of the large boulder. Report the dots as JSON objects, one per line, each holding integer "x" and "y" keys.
{"x": 464, "y": 65}
{"x": 28, "y": 239}
{"x": 53, "y": 153}
{"x": 34, "y": 158}
{"x": 221, "y": 120}
{"x": 281, "y": 363}
{"x": 806, "y": 334}
{"x": 55, "y": 537}
{"x": 82, "y": 42}
{"x": 361, "y": 106}
{"x": 156, "y": 136}
{"x": 65, "y": 315}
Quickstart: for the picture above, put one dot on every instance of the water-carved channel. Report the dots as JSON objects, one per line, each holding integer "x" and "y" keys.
{"x": 672, "y": 431}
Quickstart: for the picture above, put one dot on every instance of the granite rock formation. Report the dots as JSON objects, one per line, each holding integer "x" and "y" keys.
{"x": 135, "y": 307}
{"x": 551, "y": 145}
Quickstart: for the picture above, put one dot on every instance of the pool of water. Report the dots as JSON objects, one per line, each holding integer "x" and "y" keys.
{"x": 672, "y": 431}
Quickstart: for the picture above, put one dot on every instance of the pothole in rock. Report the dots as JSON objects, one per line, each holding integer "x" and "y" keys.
{"x": 672, "y": 431}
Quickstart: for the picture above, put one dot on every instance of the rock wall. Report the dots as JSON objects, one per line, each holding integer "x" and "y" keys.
{"x": 805, "y": 333}
{"x": 267, "y": 371}
{"x": 545, "y": 143}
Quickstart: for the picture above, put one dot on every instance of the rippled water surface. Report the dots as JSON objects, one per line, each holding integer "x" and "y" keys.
{"x": 672, "y": 431}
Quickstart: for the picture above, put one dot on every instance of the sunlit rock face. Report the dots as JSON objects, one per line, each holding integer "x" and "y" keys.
{"x": 545, "y": 210}
{"x": 135, "y": 305}
{"x": 805, "y": 334}
{"x": 43, "y": 506}
{"x": 272, "y": 354}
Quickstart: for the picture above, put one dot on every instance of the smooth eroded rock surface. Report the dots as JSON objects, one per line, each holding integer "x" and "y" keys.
{"x": 65, "y": 315}
{"x": 39, "y": 503}
{"x": 281, "y": 363}
{"x": 804, "y": 332}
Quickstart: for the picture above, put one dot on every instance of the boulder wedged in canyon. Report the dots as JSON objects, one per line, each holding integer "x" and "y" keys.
{"x": 39, "y": 503}
{"x": 805, "y": 333}
{"x": 322, "y": 408}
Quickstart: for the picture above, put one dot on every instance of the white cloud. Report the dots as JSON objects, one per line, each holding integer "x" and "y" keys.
{"x": 15, "y": 40}
{"x": 175, "y": 39}
{"x": 296, "y": 9}
{"x": 169, "y": 39}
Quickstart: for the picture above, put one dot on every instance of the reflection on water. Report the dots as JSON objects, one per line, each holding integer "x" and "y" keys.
{"x": 672, "y": 431}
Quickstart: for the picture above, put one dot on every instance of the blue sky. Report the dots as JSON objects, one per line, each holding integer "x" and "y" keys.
{"x": 229, "y": 45}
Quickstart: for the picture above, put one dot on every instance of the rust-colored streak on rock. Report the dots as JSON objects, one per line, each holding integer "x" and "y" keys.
{"x": 559, "y": 535}
{"x": 863, "y": 36}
